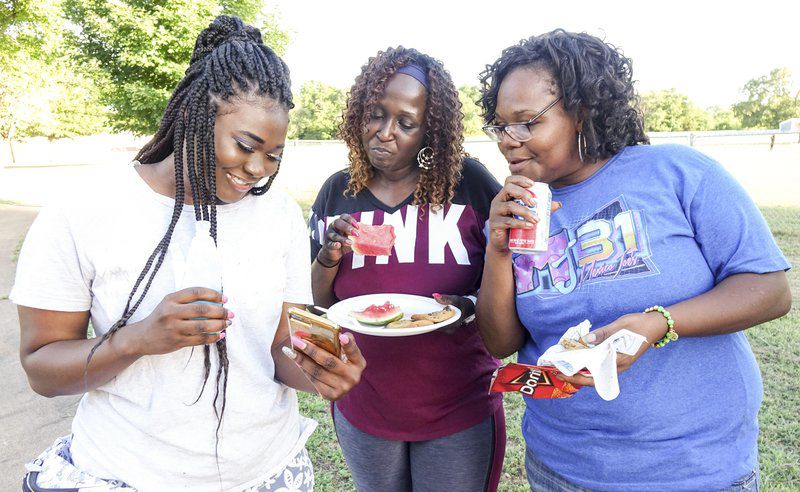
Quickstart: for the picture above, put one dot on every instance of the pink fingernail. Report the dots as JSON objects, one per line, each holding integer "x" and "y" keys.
{"x": 231, "y": 315}
{"x": 343, "y": 339}
{"x": 436, "y": 295}
{"x": 355, "y": 224}
{"x": 298, "y": 342}
{"x": 222, "y": 335}
{"x": 224, "y": 299}
{"x": 354, "y": 232}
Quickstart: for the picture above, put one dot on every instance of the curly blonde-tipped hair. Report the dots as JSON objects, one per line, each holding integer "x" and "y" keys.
{"x": 436, "y": 186}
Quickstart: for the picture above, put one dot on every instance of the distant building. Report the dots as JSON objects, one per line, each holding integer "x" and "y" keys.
{"x": 790, "y": 125}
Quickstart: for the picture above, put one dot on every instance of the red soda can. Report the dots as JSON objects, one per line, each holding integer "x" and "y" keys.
{"x": 534, "y": 240}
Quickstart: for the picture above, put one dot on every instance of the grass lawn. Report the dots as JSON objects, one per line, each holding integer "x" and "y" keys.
{"x": 775, "y": 345}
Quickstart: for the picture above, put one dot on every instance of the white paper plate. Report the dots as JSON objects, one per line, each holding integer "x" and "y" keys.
{"x": 339, "y": 313}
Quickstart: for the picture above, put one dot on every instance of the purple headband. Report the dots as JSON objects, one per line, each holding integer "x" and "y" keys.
{"x": 414, "y": 70}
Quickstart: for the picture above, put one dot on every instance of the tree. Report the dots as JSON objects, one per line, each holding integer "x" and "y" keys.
{"x": 318, "y": 112}
{"x": 42, "y": 91}
{"x": 143, "y": 48}
{"x": 670, "y": 111}
{"x": 770, "y": 99}
{"x": 473, "y": 122}
{"x": 723, "y": 119}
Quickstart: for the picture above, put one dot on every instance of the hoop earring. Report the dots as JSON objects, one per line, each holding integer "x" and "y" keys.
{"x": 581, "y": 145}
{"x": 425, "y": 158}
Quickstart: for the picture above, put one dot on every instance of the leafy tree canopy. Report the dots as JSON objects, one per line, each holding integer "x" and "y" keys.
{"x": 670, "y": 111}
{"x": 473, "y": 124}
{"x": 143, "y": 48}
{"x": 318, "y": 112}
{"x": 770, "y": 99}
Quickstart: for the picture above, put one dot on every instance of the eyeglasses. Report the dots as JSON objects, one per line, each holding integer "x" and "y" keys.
{"x": 521, "y": 132}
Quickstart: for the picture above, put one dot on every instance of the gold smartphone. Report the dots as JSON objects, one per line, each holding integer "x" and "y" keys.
{"x": 318, "y": 330}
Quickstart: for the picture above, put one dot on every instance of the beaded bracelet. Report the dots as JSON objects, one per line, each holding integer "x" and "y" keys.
{"x": 670, "y": 335}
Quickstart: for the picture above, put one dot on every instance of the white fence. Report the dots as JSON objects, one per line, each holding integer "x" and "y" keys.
{"x": 767, "y": 163}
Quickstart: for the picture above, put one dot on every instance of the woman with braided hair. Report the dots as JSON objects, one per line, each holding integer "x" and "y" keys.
{"x": 422, "y": 417}
{"x": 150, "y": 419}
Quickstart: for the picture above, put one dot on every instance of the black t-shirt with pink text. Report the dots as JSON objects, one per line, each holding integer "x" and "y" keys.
{"x": 423, "y": 386}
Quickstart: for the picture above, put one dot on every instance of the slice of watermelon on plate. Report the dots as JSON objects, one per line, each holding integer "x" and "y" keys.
{"x": 378, "y": 314}
{"x": 374, "y": 240}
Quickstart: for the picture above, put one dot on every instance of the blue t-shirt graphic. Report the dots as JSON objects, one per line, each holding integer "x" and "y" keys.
{"x": 655, "y": 226}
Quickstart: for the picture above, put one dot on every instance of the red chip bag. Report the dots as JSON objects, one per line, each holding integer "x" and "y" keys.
{"x": 374, "y": 240}
{"x": 532, "y": 381}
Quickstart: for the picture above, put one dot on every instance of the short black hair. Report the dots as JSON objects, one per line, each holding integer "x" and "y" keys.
{"x": 593, "y": 77}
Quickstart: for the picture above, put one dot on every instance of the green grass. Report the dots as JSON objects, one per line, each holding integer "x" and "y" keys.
{"x": 775, "y": 345}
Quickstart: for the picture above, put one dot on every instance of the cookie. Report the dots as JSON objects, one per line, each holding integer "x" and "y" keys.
{"x": 436, "y": 316}
{"x": 573, "y": 344}
{"x": 409, "y": 323}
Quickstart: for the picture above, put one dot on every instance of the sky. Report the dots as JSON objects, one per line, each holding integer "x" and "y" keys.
{"x": 707, "y": 50}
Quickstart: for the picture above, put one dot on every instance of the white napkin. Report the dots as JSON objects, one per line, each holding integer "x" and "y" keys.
{"x": 600, "y": 360}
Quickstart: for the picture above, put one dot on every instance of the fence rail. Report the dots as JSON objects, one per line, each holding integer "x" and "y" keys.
{"x": 101, "y": 149}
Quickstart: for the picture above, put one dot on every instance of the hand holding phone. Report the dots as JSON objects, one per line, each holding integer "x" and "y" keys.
{"x": 318, "y": 330}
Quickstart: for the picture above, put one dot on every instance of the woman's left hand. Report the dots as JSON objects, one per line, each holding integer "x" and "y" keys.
{"x": 465, "y": 305}
{"x": 651, "y": 325}
{"x": 332, "y": 377}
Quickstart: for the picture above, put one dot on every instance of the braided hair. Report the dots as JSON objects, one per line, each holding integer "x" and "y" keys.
{"x": 442, "y": 114}
{"x": 230, "y": 63}
{"x": 594, "y": 78}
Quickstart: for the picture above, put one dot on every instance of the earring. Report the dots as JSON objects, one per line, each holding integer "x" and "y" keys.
{"x": 425, "y": 158}
{"x": 581, "y": 145}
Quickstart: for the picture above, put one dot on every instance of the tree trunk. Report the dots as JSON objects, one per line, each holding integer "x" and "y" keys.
{"x": 11, "y": 141}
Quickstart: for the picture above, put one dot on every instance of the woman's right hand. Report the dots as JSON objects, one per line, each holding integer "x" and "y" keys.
{"x": 505, "y": 210}
{"x": 337, "y": 240}
{"x": 174, "y": 323}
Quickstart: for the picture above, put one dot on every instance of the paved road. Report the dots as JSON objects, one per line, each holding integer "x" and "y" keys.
{"x": 29, "y": 422}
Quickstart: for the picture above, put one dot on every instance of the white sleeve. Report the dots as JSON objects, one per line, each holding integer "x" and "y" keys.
{"x": 50, "y": 274}
{"x": 298, "y": 265}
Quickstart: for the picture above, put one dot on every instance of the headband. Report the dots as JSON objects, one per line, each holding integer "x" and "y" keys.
{"x": 416, "y": 71}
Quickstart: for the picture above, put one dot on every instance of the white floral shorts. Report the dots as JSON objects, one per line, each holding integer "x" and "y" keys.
{"x": 53, "y": 469}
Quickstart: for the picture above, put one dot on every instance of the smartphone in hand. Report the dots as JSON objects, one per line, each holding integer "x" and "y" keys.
{"x": 318, "y": 330}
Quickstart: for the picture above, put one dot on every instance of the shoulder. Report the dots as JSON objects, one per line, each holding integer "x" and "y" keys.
{"x": 674, "y": 156}
{"x": 472, "y": 168}
{"x": 476, "y": 181}
{"x": 278, "y": 202}
{"x": 337, "y": 181}
{"x": 109, "y": 192}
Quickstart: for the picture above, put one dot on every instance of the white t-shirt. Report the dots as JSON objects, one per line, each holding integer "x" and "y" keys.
{"x": 142, "y": 427}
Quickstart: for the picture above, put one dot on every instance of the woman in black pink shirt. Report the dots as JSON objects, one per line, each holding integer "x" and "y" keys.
{"x": 422, "y": 417}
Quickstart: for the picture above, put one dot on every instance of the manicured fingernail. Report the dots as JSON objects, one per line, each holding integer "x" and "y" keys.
{"x": 231, "y": 315}
{"x": 354, "y": 232}
{"x": 590, "y": 338}
{"x": 343, "y": 339}
{"x": 436, "y": 295}
{"x": 298, "y": 342}
{"x": 224, "y": 298}
{"x": 228, "y": 322}
{"x": 222, "y": 335}
{"x": 355, "y": 224}
{"x": 289, "y": 353}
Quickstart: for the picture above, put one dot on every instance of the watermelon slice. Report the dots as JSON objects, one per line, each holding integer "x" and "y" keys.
{"x": 378, "y": 315}
{"x": 374, "y": 240}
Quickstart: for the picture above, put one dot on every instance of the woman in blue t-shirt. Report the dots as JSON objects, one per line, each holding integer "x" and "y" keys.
{"x": 641, "y": 227}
